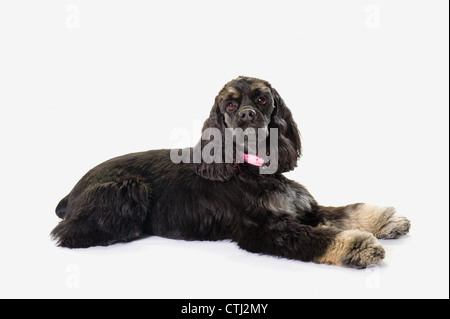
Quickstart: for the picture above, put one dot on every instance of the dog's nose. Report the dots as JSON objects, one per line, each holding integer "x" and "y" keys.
{"x": 247, "y": 115}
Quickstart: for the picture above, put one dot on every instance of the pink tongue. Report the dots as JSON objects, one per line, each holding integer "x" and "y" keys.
{"x": 253, "y": 159}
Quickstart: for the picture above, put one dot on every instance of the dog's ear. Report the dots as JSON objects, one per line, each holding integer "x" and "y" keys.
{"x": 217, "y": 170}
{"x": 289, "y": 144}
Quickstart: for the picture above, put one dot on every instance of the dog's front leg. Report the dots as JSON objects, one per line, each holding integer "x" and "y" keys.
{"x": 283, "y": 236}
{"x": 382, "y": 222}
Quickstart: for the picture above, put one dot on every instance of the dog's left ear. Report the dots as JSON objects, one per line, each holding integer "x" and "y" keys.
{"x": 218, "y": 170}
{"x": 289, "y": 144}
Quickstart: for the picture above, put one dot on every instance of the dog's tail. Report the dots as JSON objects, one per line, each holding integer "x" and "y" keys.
{"x": 62, "y": 206}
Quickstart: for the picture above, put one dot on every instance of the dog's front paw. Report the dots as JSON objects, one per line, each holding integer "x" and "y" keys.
{"x": 395, "y": 227}
{"x": 354, "y": 249}
{"x": 380, "y": 221}
{"x": 362, "y": 249}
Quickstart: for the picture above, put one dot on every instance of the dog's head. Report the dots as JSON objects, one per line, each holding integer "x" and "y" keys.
{"x": 246, "y": 103}
{"x": 250, "y": 103}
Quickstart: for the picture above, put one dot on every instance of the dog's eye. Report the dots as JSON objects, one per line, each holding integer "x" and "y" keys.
{"x": 262, "y": 101}
{"x": 231, "y": 106}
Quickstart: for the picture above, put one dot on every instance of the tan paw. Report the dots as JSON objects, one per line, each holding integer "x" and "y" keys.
{"x": 363, "y": 250}
{"x": 355, "y": 249}
{"x": 381, "y": 221}
{"x": 396, "y": 226}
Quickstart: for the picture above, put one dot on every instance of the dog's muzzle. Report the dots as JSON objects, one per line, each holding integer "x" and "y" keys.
{"x": 247, "y": 114}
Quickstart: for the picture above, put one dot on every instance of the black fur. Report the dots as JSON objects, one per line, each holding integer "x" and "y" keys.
{"x": 145, "y": 194}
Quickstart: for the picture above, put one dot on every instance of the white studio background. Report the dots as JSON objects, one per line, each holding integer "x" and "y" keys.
{"x": 83, "y": 81}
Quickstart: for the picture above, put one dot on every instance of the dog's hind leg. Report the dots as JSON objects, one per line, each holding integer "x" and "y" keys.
{"x": 104, "y": 214}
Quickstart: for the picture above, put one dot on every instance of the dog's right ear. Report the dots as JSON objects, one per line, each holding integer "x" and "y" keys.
{"x": 217, "y": 170}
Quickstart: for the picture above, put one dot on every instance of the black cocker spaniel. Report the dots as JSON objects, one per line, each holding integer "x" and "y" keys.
{"x": 226, "y": 191}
